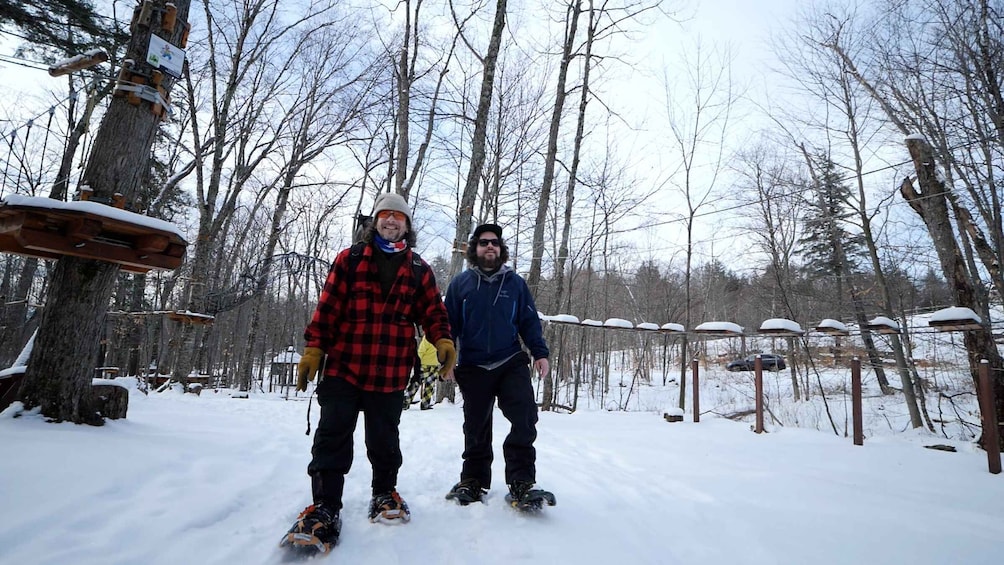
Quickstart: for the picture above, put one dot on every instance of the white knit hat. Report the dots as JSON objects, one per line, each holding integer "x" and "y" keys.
{"x": 391, "y": 201}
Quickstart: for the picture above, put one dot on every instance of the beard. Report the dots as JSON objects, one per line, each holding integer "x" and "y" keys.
{"x": 486, "y": 264}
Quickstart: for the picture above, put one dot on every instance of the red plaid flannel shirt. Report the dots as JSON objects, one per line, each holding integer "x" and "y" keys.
{"x": 370, "y": 340}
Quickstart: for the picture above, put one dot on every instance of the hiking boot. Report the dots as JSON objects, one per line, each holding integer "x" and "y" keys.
{"x": 388, "y": 507}
{"x": 466, "y": 492}
{"x": 519, "y": 489}
{"x": 523, "y": 496}
{"x": 316, "y": 528}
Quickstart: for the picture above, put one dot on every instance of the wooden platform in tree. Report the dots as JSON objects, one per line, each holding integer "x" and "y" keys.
{"x": 961, "y": 325}
{"x": 190, "y": 318}
{"x": 50, "y": 229}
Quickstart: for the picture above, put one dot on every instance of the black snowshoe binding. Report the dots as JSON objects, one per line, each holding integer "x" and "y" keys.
{"x": 466, "y": 492}
{"x": 389, "y": 508}
{"x": 523, "y": 497}
{"x": 314, "y": 533}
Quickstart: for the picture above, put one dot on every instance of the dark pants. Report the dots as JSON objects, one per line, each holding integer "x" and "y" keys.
{"x": 332, "y": 451}
{"x": 510, "y": 383}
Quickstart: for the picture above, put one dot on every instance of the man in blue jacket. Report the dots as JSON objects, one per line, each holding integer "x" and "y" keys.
{"x": 491, "y": 310}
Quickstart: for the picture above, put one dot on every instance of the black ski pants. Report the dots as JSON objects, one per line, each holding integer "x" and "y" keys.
{"x": 331, "y": 460}
{"x": 510, "y": 384}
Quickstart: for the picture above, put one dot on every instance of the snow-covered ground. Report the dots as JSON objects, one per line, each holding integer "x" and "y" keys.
{"x": 212, "y": 479}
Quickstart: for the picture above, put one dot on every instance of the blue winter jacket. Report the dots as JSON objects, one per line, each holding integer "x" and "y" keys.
{"x": 489, "y": 315}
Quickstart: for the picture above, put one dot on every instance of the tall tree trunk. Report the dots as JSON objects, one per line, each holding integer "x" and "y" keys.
{"x": 59, "y": 372}
{"x": 931, "y": 204}
{"x": 466, "y": 211}
{"x": 902, "y": 365}
{"x": 551, "y": 157}
{"x": 134, "y": 338}
{"x": 566, "y": 221}
{"x": 62, "y": 362}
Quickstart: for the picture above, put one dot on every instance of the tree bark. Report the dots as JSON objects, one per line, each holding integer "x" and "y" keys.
{"x": 465, "y": 214}
{"x": 59, "y": 373}
{"x": 58, "y": 377}
{"x": 931, "y": 204}
{"x": 551, "y": 157}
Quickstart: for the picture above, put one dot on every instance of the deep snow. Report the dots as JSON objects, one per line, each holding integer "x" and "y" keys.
{"x": 213, "y": 479}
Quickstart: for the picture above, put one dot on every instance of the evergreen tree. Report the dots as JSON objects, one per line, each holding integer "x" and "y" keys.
{"x": 828, "y": 246}
{"x": 57, "y": 28}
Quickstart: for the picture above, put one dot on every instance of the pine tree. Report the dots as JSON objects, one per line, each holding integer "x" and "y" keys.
{"x": 64, "y": 27}
{"x": 829, "y": 247}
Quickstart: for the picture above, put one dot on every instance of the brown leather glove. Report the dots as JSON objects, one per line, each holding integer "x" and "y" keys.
{"x": 310, "y": 365}
{"x": 447, "y": 355}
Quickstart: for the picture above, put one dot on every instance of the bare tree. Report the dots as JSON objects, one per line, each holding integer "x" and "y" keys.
{"x": 699, "y": 113}
{"x": 916, "y": 110}
{"x": 244, "y": 83}
{"x": 406, "y": 75}
{"x": 605, "y": 21}
{"x": 336, "y": 89}
{"x": 774, "y": 216}
{"x": 477, "y": 159}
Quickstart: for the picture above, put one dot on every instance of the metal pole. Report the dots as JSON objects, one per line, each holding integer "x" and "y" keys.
{"x": 758, "y": 370}
{"x": 988, "y": 415}
{"x": 697, "y": 399}
{"x": 859, "y": 435}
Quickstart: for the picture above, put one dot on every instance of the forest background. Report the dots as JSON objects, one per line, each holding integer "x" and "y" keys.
{"x": 640, "y": 171}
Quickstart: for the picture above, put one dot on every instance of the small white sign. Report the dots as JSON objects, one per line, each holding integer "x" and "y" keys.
{"x": 165, "y": 56}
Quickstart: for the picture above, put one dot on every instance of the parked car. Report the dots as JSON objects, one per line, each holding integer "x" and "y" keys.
{"x": 770, "y": 362}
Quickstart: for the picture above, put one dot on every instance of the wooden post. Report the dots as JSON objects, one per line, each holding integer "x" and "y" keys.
{"x": 758, "y": 370}
{"x": 988, "y": 415}
{"x": 697, "y": 399}
{"x": 859, "y": 435}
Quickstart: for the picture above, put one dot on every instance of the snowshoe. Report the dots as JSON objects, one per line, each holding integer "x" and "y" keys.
{"x": 523, "y": 497}
{"x": 389, "y": 508}
{"x": 466, "y": 492}
{"x": 315, "y": 532}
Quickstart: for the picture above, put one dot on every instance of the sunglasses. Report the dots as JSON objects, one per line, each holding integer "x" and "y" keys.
{"x": 386, "y": 214}
{"x": 487, "y": 242}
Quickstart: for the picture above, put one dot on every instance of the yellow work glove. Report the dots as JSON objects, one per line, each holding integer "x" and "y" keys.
{"x": 447, "y": 355}
{"x": 310, "y": 365}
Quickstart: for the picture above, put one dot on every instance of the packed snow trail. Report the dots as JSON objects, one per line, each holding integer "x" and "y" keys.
{"x": 216, "y": 480}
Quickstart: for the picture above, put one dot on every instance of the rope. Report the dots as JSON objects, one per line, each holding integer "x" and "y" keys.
{"x": 6, "y": 167}
{"x": 45, "y": 143}
{"x": 24, "y": 148}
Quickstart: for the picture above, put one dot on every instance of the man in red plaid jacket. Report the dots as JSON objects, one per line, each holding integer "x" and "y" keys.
{"x": 364, "y": 322}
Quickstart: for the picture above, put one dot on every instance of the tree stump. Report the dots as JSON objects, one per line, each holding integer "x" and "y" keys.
{"x": 111, "y": 401}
